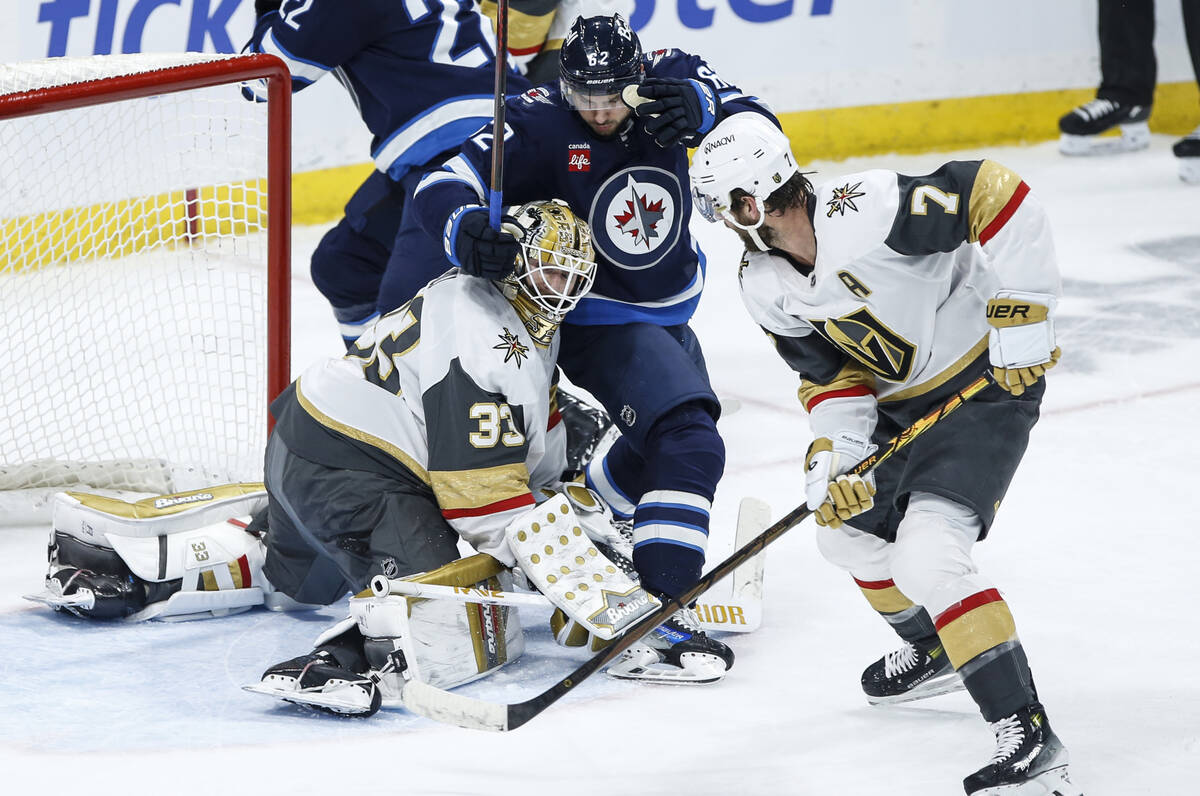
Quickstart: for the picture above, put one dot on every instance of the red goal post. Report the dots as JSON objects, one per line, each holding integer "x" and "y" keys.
{"x": 145, "y": 210}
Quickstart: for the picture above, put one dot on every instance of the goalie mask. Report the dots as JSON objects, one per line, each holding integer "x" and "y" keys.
{"x": 744, "y": 151}
{"x": 556, "y": 268}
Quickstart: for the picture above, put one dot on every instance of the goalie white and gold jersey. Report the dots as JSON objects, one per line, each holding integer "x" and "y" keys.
{"x": 895, "y": 304}
{"x": 451, "y": 389}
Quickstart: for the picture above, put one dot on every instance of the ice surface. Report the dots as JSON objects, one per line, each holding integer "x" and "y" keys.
{"x": 1096, "y": 550}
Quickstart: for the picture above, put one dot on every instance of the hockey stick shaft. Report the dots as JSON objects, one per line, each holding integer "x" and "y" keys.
{"x": 496, "y": 197}
{"x": 382, "y": 587}
{"x": 478, "y": 714}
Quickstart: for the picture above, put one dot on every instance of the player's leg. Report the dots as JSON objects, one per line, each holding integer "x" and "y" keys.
{"x": 331, "y": 530}
{"x": 350, "y": 259}
{"x": 1128, "y": 72}
{"x": 415, "y": 258}
{"x": 956, "y": 477}
{"x": 919, "y": 668}
{"x": 664, "y": 469}
{"x": 1187, "y": 149}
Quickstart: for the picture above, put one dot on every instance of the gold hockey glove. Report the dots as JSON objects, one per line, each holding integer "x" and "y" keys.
{"x": 1021, "y": 341}
{"x": 836, "y": 498}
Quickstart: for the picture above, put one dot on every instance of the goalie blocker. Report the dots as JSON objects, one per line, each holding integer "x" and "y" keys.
{"x": 186, "y": 555}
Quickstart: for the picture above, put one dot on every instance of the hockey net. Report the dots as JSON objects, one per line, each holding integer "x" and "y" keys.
{"x": 144, "y": 236}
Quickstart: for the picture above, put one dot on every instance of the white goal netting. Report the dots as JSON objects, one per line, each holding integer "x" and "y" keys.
{"x": 134, "y": 271}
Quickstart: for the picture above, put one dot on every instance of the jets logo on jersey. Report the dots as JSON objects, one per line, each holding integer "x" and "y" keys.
{"x": 844, "y": 197}
{"x": 537, "y": 94}
{"x": 635, "y": 217}
{"x": 512, "y": 347}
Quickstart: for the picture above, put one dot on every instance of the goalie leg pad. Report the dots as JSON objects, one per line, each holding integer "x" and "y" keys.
{"x": 185, "y": 555}
{"x": 559, "y": 558}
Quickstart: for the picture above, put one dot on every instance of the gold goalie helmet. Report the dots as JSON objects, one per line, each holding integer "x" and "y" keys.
{"x": 556, "y": 268}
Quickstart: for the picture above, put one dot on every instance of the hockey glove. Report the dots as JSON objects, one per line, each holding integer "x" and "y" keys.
{"x": 264, "y": 7}
{"x": 1021, "y": 341}
{"x": 478, "y": 249}
{"x": 678, "y": 110}
{"x": 831, "y": 494}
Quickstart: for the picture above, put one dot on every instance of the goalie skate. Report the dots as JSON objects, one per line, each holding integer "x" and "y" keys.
{"x": 677, "y": 652}
{"x": 317, "y": 681}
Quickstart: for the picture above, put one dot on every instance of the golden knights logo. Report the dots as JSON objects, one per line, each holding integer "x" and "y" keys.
{"x": 864, "y": 337}
{"x": 512, "y": 347}
{"x": 844, "y": 197}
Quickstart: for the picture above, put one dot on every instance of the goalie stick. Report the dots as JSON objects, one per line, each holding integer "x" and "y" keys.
{"x": 739, "y": 612}
{"x": 468, "y": 712}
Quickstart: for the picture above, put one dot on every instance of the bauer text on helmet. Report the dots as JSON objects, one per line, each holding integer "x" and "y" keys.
{"x": 600, "y": 56}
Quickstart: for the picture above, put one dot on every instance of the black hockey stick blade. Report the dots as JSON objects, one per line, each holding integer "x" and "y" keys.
{"x": 464, "y": 711}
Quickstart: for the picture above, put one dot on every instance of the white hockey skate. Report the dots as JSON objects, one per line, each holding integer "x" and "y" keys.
{"x": 677, "y": 652}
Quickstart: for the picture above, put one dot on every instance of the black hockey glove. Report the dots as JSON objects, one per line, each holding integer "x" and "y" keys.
{"x": 264, "y": 7}
{"x": 679, "y": 111}
{"x": 476, "y": 248}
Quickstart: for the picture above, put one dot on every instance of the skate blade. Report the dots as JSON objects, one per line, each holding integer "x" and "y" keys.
{"x": 330, "y": 702}
{"x": 1053, "y": 782}
{"x": 937, "y": 687}
{"x": 1189, "y": 170}
{"x": 1133, "y": 137}
{"x": 700, "y": 669}
{"x": 84, "y": 598}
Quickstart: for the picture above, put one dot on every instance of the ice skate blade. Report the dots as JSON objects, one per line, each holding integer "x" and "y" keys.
{"x": 326, "y": 701}
{"x": 930, "y": 688}
{"x": 698, "y": 669}
{"x": 1133, "y": 137}
{"x": 1189, "y": 170}
{"x": 1052, "y": 782}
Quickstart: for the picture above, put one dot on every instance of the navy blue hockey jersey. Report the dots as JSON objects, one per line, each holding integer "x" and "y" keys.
{"x": 421, "y": 72}
{"x": 633, "y": 192}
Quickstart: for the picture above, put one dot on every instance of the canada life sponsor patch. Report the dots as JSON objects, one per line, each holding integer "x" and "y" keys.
{"x": 579, "y": 157}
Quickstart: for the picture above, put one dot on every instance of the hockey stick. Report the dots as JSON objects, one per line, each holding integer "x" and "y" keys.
{"x": 464, "y": 711}
{"x": 496, "y": 198}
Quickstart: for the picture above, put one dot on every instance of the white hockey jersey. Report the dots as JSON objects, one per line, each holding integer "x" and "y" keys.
{"x": 451, "y": 388}
{"x": 895, "y": 304}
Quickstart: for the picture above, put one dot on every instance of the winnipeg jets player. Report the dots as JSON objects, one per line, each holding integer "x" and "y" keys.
{"x": 886, "y": 293}
{"x": 421, "y": 75}
{"x": 628, "y": 342}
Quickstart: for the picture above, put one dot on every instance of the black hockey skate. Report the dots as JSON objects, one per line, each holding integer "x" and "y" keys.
{"x": 1081, "y": 128}
{"x": 1187, "y": 150}
{"x": 677, "y": 652}
{"x": 1029, "y": 759}
{"x": 319, "y": 681}
{"x": 915, "y": 671}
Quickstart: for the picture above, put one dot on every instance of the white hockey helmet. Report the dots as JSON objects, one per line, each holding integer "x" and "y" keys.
{"x": 744, "y": 151}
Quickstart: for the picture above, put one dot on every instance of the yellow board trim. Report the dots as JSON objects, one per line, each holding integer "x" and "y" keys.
{"x": 127, "y": 226}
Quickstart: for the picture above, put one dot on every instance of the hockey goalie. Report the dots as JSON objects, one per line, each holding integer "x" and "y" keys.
{"x": 439, "y": 425}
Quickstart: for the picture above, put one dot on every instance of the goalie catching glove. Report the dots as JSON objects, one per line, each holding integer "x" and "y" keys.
{"x": 1021, "y": 341}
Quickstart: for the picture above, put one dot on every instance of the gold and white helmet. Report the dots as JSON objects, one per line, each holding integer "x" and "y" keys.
{"x": 557, "y": 265}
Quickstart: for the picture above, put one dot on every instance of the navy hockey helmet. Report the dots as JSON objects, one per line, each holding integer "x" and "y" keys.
{"x": 600, "y": 56}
